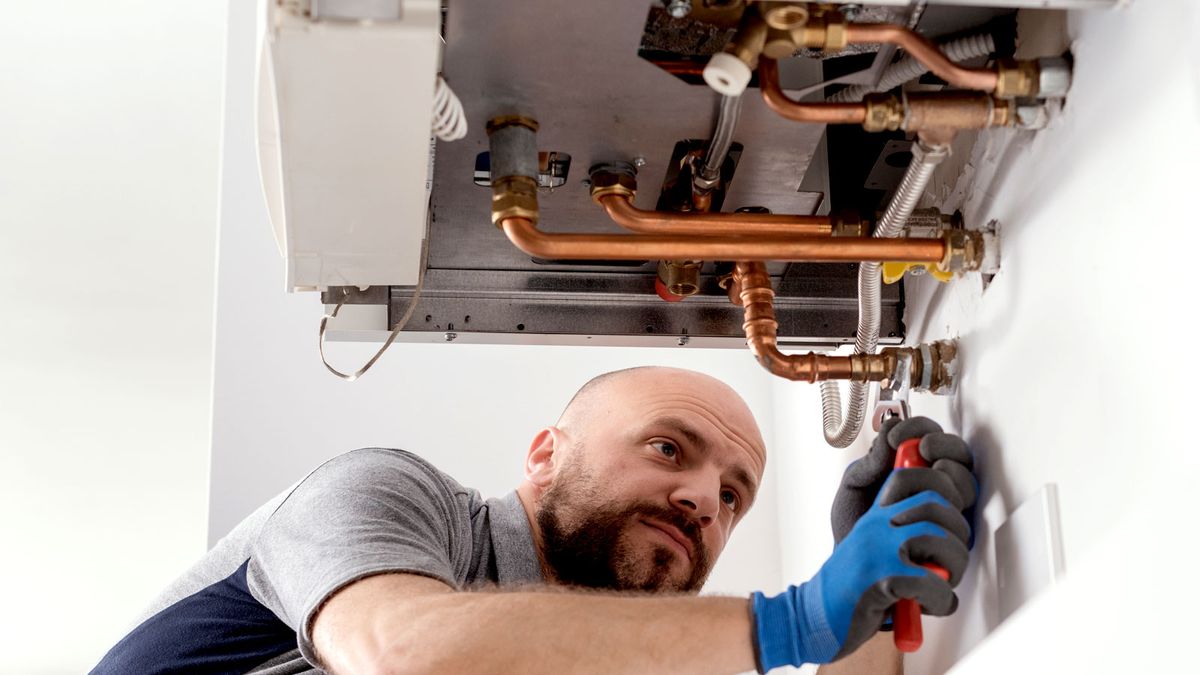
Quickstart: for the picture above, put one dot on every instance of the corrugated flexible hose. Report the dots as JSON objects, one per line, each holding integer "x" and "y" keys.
{"x": 841, "y": 429}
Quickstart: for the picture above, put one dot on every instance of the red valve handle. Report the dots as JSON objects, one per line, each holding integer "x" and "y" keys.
{"x": 906, "y": 615}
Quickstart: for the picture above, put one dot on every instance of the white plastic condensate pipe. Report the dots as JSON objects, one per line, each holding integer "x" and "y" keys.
{"x": 841, "y": 430}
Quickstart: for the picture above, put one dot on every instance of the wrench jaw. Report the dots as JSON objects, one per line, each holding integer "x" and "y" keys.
{"x": 891, "y": 395}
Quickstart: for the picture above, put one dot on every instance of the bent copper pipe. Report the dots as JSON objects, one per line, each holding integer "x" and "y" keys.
{"x": 925, "y": 52}
{"x": 821, "y": 112}
{"x": 557, "y": 246}
{"x": 752, "y": 290}
{"x": 702, "y": 223}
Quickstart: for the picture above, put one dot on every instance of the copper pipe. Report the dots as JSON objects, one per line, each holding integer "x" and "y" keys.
{"x": 555, "y": 246}
{"x": 822, "y": 112}
{"x": 700, "y": 223}
{"x": 753, "y": 291}
{"x": 954, "y": 110}
{"x": 924, "y": 51}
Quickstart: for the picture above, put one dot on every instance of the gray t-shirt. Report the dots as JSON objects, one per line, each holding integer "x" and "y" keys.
{"x": 248, "y": 604}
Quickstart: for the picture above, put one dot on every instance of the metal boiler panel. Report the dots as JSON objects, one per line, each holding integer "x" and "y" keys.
{"x": 575, "y": 68}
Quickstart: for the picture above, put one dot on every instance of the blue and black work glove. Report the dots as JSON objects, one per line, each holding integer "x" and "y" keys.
{"x": 877, "y": 562}
{"x": 949, "y": 471}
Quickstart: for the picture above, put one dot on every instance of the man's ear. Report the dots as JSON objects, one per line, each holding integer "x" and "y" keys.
{"x": 543, "y": 460}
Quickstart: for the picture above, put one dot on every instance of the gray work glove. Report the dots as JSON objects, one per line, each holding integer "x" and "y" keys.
{"x": 949, "y": 471}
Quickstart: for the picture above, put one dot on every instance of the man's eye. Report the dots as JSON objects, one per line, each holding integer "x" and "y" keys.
{"x": 730, "y": 499}
{"x": 667, "y": 448}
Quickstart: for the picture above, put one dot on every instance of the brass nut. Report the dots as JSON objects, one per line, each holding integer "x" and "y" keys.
{"x": 943, "y": 362}
{"x": 884, "y": 113}
{"x": 612, "y": 183}
{"x": 509, "y": 120}
{"x": 812, "y": 33}
{"x": 836, "y": 35}
{"x": 964, "y": 251}
{"x": 1016, "y": 78}
{"x": 514, "y": 197}
{"x": 784, "y": 15}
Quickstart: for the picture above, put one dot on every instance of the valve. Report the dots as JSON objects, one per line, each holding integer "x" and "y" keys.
{"x": 891, "y": 272}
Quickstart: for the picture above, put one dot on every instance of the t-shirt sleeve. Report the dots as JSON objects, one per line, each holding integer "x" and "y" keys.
{"x": 365, "y": 512}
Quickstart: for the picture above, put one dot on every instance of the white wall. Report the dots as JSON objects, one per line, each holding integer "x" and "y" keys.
{"x": 1073, "y": 358}
{"x": 108, "y": 203}
{"x": 470, "y": 409}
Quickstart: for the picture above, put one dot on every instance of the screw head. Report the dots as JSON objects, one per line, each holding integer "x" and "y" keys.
{"x": 851, "y": 11}
{"x": 449, "y": 337}
{"x": 639, "y": 162}
{"x": 683, "y": 340}
{"x": 679, "y": 8}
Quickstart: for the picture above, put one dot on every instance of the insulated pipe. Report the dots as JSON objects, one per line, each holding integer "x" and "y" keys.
{"x": 926, "y": 52}
{"x": 752, "y": 290}
{"x": 841, "y": 430}
{"x": 699, "y": 223}
{"x": 821, "y": 112}
{"x": 556, "y": 246}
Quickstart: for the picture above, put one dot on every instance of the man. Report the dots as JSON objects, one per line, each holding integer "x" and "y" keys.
{"x": 634, "y": 491}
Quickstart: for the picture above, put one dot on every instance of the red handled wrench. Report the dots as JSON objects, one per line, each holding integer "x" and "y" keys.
{"x": 906, "y": 615}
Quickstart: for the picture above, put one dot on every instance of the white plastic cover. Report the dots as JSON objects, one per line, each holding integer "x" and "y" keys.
{"x": 344, "y": 142}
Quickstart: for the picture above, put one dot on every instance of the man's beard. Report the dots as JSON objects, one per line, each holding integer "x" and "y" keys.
{"x": 589, "y": 549}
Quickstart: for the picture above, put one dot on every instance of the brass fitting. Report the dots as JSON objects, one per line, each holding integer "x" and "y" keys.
{"x": 747, "y": 44}
{"x": 680, "y": 277}
{"x": 964, "y": 251}
{"x": 884, "y": 113}
{"x": 780, "y": 44}
{"x": 514, "y": 197}
{"x": 514, "y": 167}
{"x": 931, "y": 367}
{"x": 825, "y": 29}
{"x": 871, "y": 367}
{"x": 784, "y": 15}
{"x": 1016, "y": 78}
{"x": 498, "y": 123}
{"x": 849, "y": 227}
{"x": 612, "y": 183}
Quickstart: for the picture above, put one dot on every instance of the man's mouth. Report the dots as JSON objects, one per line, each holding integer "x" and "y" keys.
{"x": 674, "y": 534}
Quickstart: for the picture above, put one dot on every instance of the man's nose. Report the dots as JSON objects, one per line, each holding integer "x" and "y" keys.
{"x": 699, "y": 499}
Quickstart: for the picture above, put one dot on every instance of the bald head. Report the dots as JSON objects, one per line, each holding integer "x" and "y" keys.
{"x": 621, "y": 392}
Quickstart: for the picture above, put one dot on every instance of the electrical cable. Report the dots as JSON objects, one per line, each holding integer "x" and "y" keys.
{"x": 412, "y": 306}
{"x": 449, "y": 120}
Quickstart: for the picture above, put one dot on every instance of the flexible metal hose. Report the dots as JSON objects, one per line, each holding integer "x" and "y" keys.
{"x": 722, "y": 138}
{"x": 908, "y": 68}
{"x": 841, "y": 430}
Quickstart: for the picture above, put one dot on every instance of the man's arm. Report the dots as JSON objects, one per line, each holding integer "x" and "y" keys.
{"x": 402, "y": 623}
{"x": 877, "y": 656}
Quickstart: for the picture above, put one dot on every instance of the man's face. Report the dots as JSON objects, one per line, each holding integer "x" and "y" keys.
{"x": 661, "y": 465}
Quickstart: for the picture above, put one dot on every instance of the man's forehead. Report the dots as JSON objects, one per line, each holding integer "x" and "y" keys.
{"x": 645, "y": 395}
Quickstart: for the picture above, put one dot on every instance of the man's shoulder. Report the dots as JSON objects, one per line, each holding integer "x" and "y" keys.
{"x": 390, "y": 474}
{"x": 387, "y": 463}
